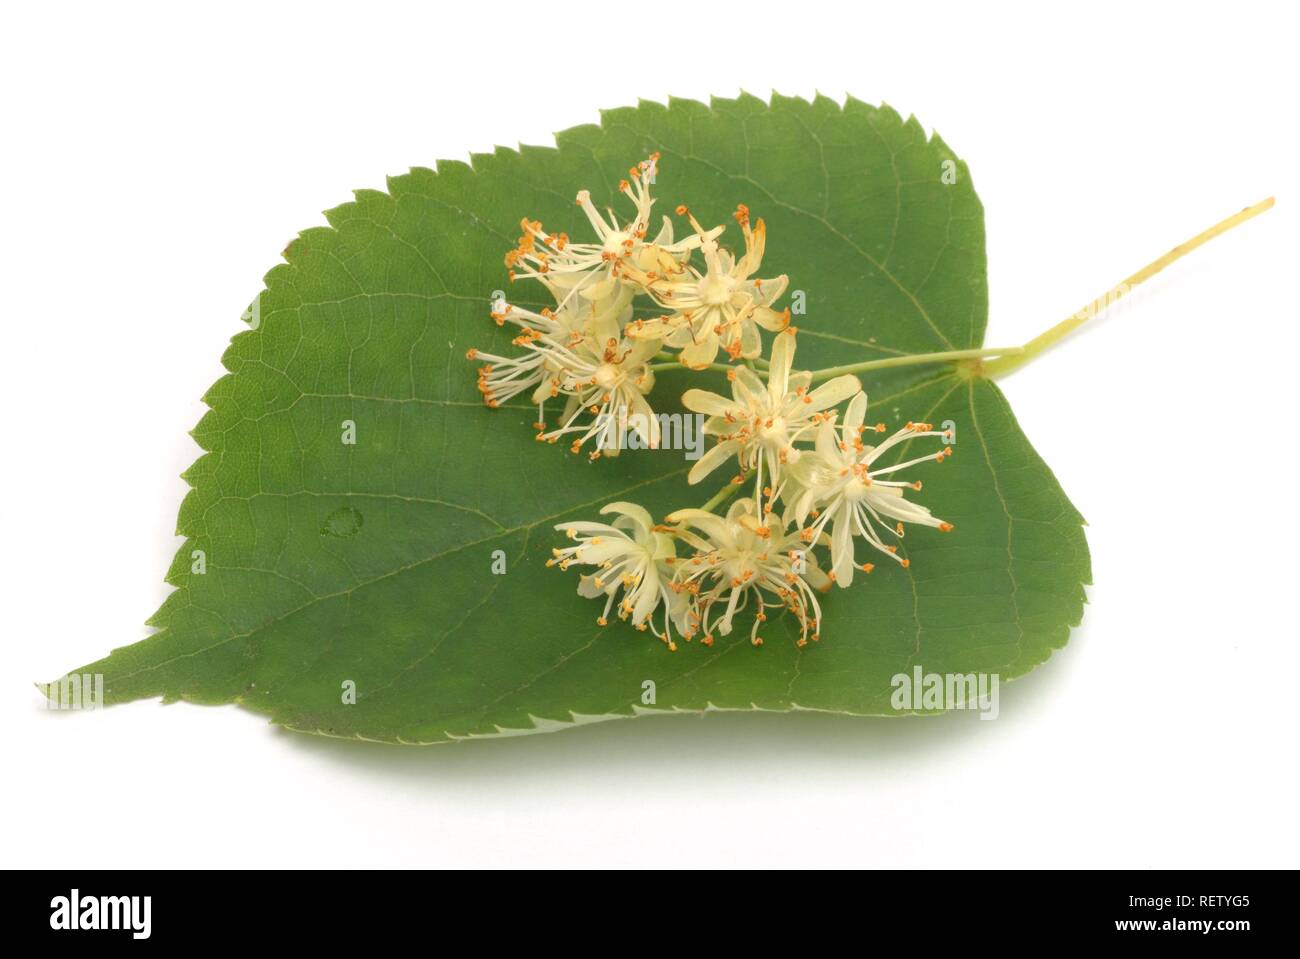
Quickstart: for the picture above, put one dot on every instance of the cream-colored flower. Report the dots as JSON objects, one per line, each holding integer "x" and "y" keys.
{"x": 583, "y": 356}
{"x": 721, "y": 308}
{"x": 547, "y": 338}
{"x": 632, "y": 557}
{"x": 853, "y": 495}
{"x": 595, "y": 271}
{"x": 606, "y": 377}
{"x": 760, "y": 423}
{"x": 743, "y": 559}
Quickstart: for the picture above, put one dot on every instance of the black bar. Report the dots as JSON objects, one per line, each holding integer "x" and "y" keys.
{"x": 946, "y": 909}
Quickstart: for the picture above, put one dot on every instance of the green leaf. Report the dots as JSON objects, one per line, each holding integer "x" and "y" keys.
{"x": 326, "y": 563}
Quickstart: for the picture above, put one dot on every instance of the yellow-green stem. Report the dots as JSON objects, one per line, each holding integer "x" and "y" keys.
{"x": 721, "y": 496}
{"x": 723, "y": 367}
{"x": 1043, "y": 341}
{"x": 914, "y": 359}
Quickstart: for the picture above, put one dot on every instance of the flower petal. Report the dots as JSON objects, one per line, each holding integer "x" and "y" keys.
{"x": 638, "y": 514}
{"x": 588, "y": 589}
{"x": 803, "y": 506}
{"x": 833, "y": 392}
{"x": 710, "y": 524}
{"x": 828, "y": 444}
{"x": 778, "y": 373}
{"x": 585, "y": 528}
{"x": 599, "y": 290}
{"x": 647, "y": 596}
{"x": 751, "y": 343}
{"x": 699, "y": 355}
{"x": 702, "y": 401}
{"x": 766, "y": 292}
{"x": 842, "y": 549}
{"x": 856, "y": 411}
{"x": 641, "y": 349}
{"x": 654, "y": 329}
{"x": 711, "y": 460}
{"x": 665, "y": 234}
{"x": 746, "y": 386}
{"x": 770, "y": 320}
{"x": 643, "y": 420}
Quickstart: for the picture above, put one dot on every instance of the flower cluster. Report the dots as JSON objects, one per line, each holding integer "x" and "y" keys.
{"x": 590, "y": 350}
{"x": 806, "y": 477}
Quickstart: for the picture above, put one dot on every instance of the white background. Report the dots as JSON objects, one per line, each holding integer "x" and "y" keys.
{"x": 157, "y": 159}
